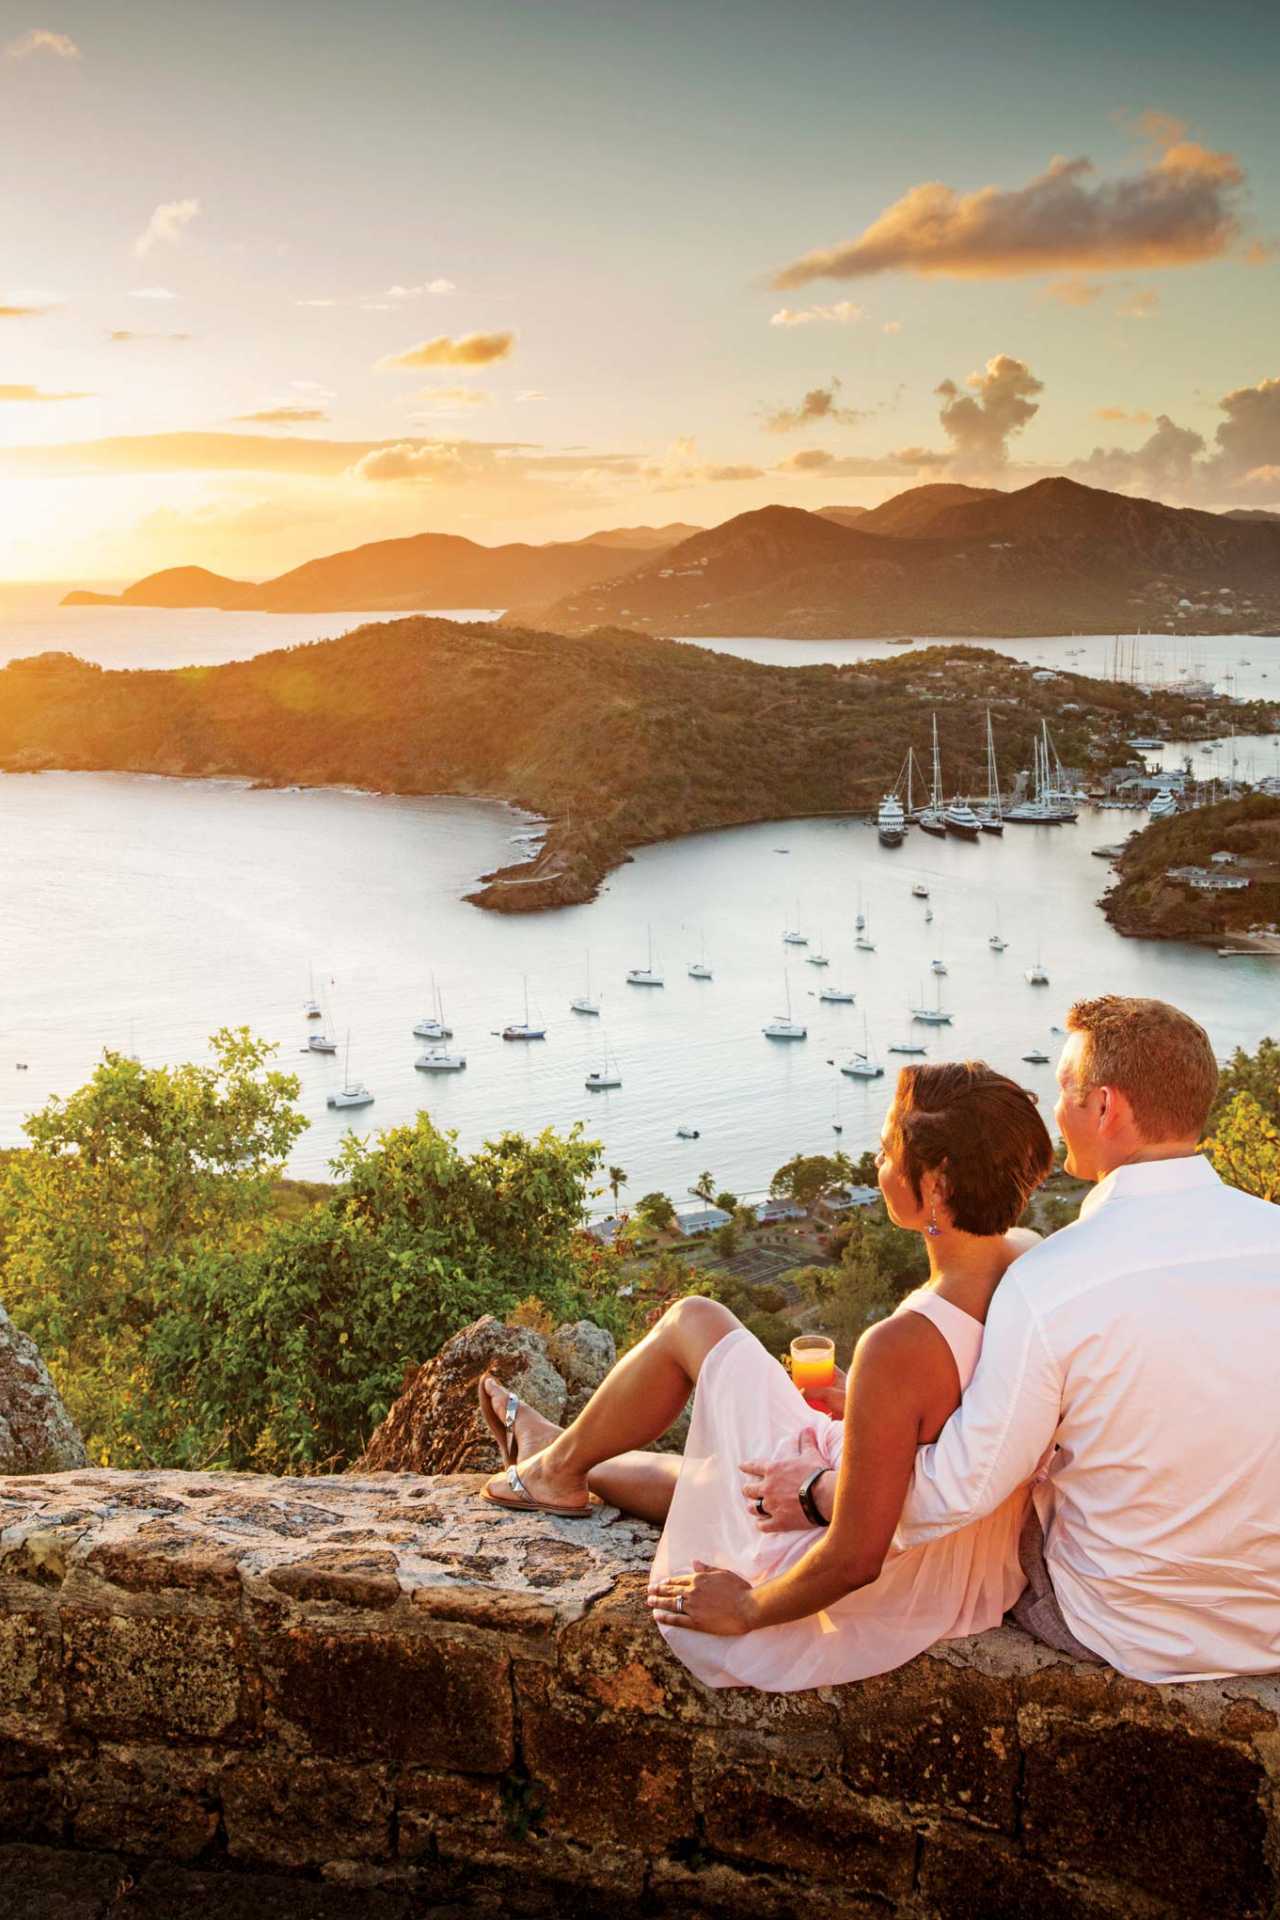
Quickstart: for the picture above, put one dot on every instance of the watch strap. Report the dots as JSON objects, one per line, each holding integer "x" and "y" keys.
{"x": 808, "y": 1505}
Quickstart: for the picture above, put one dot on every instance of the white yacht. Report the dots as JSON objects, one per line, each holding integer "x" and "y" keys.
{"x": 891, "y": 821}
{"x": 352, "y": 1093}
{"x": 961, "y": 820}
{"x": 687, "y": 1133}
{"x": 646, "y": 976}
{"x": 604, "y": 1076}
{"x": 933, "y": 1016}
{"x": 440, "y": 1060}
{"x": 1036, "y": 976}
{"x": 524, "y": 1029}
{"x": 906, "y": 1046}
{"x": 584, "y": 1002}
{"x": 837, "y": 996}
{"x": 432, "y": 1026}
{"x": 919, "y": 891}
{"x": 311, "y": 1006}
{"x": 780, "y": 1028}
{"x": 816, "y": 959}
{"x": 1162, "y": 806}
{"x": 864, "y": 1065}
{"x": 320, "y": 1043}
{"x": 698, "y": 969}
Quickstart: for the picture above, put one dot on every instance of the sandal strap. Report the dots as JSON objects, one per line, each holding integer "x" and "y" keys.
{"x": 517, "y": 1485}
{"x": 512, "y": 1409}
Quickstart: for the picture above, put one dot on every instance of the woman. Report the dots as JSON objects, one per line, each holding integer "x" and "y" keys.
{"x": 961, "y": 1151}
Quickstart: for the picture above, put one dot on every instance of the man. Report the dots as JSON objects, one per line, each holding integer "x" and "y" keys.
{"x": 1139, "y": 1351}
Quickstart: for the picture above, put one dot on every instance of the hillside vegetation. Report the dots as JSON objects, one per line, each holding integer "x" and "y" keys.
{"x": 1146, "y": 901}
{"x": 619, "y": 737}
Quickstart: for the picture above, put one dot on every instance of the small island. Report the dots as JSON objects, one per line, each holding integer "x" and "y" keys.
{"x": 1210, "y": 875}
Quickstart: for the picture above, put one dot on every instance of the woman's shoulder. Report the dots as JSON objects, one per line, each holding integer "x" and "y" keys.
{"x": 889, "y": 1342}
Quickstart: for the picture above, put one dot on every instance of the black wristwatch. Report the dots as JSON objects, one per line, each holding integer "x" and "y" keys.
{"x": 808, "y": 1505}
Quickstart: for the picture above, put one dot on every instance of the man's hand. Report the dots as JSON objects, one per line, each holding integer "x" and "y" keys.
{"x": 776, "y": 1484}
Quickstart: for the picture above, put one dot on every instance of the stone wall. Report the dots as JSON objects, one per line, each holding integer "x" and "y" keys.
{"x": 373, "y": 1698}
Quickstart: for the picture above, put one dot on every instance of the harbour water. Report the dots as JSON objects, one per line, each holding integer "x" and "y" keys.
{"x": 143, "y": 913}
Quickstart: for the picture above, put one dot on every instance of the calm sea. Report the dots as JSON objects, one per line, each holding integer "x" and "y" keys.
{"x": 144, "y": 913}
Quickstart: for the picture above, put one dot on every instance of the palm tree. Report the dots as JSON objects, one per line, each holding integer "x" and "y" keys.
{"x": 705, "y": 1188}
{"x": 617, "y": 1178}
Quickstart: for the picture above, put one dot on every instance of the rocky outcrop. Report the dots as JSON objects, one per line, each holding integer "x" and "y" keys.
{"x": 37, "y": 1434}
{"x": 436, "y": 1427}
{"x": 375, "y": 1698}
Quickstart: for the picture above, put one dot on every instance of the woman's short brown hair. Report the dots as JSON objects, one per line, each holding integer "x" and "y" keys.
{"x": 980, "y": 1131}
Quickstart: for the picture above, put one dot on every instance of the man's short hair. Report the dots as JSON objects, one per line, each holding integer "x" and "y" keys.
{"x": 1158, "y": 1057}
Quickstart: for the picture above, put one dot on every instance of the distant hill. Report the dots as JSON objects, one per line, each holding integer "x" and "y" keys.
{"x": 1252, "y": 513}
{"x": 912, "y": 513}
{"x": 619, "y": 737}
{"x": 424, "y": 570}
{"x": 843, "y": 516}
{"x": 639, "y": 539}
{"x": 1053, "y": 557}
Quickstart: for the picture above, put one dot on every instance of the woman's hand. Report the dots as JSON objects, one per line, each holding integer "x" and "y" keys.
{"x": 708, "y": 1600}
{"x": 830, "y": 1399}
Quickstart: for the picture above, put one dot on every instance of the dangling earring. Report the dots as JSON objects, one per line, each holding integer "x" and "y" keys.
{"x": 933, "y": 1229}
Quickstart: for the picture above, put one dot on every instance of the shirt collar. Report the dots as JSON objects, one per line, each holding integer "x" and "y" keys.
{"x": 1145, "y": 1179}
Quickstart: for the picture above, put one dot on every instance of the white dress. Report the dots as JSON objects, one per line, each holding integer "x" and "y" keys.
{"x": 746, "y": 1408}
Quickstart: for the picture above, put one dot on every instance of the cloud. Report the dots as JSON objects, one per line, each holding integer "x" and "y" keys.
{"x": 1164, "y": 464}
{"x": 1249, "y": 438}
{"x": 681, "y": 465}
{"x": 23, "y": 313}
{"x": 808, "y": 460}
{"x": 166, "y": 225}
{"x": 979, "y": 423}
{"x": 842, "y": 314}
{"x": 733, "y": 473}
{"x": 398, "y": 293}
{"x": 285, "y": 416}
{"x": 818, "y": 404}
{"x": 119, "y": 335}
{"x": 1179, "y": 209}
{"x": 1139, "y": 419}
{"x": 40, "y": 40}
{"x": 892, "y": 326}
{"x": 467, "y": 350}
{"x": 1140, "y": 305}
{"x": 152, "y": 293}
{"x": 29, "y": 394}
{"x": 436, "y": 401}
{"x": 315, "y": 303}
{"x": 1075, "y": 292}
{"x": 409, "y": 461}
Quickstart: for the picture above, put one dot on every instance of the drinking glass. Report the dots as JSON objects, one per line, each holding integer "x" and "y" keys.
{"x": 813, "y": 1363}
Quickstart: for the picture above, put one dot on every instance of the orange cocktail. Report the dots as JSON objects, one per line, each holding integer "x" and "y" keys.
{"x": 813, "y": 1362}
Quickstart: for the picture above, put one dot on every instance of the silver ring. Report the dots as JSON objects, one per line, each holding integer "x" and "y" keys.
{"x": 762, "y": 1509}
{"x": 679, "y": 1603}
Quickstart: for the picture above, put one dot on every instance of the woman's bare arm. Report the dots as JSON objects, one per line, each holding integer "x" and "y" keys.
{"x": 893, "y": 1370}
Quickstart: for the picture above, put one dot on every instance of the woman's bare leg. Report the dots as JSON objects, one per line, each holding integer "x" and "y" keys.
{"x": 636, "y": 1403}
{"x": 640, "y": 1483}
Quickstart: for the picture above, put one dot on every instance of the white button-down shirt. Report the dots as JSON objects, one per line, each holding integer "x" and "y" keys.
{"x": 1145, "y": 1341}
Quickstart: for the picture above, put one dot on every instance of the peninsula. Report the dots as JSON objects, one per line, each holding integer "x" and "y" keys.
{"x": 617, "y": 738}
{"x": 1207, "y": 875}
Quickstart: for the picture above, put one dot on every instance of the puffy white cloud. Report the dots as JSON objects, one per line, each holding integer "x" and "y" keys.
{"x": 842, "y": 313}
{"x": 979, "y": 423}
{"x": 166, "y": 225}
{"x": 467, "y": 350}
{"x": 41, "y": 40}
{"x": 819, "y": 404}
{"x": 408, "y": 461}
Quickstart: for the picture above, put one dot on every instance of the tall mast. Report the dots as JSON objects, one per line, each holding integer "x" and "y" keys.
{"x": 935, "y": 795}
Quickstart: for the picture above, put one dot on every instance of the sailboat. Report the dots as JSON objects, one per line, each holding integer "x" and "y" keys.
{"x": 604, "y": 1076}
{"x": 645, "y": 976}
{"x": 817, "y": 958}
{"x": 432, "y": 1026}
{"x": 792, "y": 936}
{"x": 320, "y": 1043}
{"x": 698, "y": 969}
{"x": 524, "y": 1029}
{"x": 785, "y": 1029}
{"x": 938, "y": 966}
{"x": 1037, "y": 1057}
{"x": 352, "y": 1093}
{"x": 932, "y": 818}
{"x": 311, "y": 1006}
{"x": 932, "y": 1016}
{"x": 994, "y": 941}
{"x": 837, "y": 996}
{"x": 990, "y": 817}
{"x": 864, "y": 943}
{"x": 1036, "y": 975}
{"x": 859, "y": 918}
{"x": 584, "y": 1003}
{"x": 440, "y": 1060}
{"x": 863, "y": 1066}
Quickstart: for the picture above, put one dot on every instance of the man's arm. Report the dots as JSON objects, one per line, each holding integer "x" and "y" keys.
{"x": 998, "y": 1434}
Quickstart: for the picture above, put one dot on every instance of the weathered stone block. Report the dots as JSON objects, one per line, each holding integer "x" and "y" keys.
{"x": 194, "y": 1893}
{"x": 934, "y": 1735}
{"x": 967, "y": 1875}
{"x": 163, "y": 1558}
{"x": 384, "y": 1696}
{"x": 177, "y": 1676}
{"x": 30, "y": 1804}
{"x": 804, "y": 1822}
{"x": 601, "y": 1781}
{"x": 281, "y": 1811}
{"x": 38, "y": 1883}
{"x": 30, "y": 1679}
{"x": 1165, "y": 1810}
{"x": 37, "y": 1434}
{"x": 470, "y": 1815}
{"x": 346, "y": 1576}
{"x": 149, "y": 1802}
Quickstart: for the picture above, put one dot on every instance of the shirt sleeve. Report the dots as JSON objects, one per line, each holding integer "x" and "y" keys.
{"x": 1000, "y": 1431}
